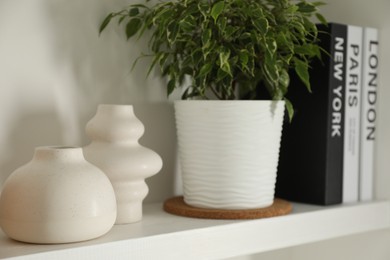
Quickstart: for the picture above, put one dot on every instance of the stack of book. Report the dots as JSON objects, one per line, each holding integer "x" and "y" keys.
{"x": 327, "y": 151}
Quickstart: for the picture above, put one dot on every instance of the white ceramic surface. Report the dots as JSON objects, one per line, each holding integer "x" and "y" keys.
{"x": 114, "y": 132}
{"x": 229, "y": 152}
{"x": 58, "y": 197}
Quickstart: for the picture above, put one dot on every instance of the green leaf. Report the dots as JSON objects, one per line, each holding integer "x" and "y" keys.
{"x": 271, "y": 69}
{"x": 306, "y": 7}
{"x": 272, "y": 46}
{"x": 221, "y": 74}
{"x": 292, "y": 9}
{"x": 156, "y": 59}
{"x": 171, "y": 86}
{"x": 187, "y": 24}
{"x": 121, "y": 19}
{"x": 192, "y": 8}
{"x": 244, "y": 57}
{"x": 133, "y": 12}
{"x": 196, "y": 57}
{"x": 284, "y": 81}
{"x": 190, "y": 92}
{"x": 307, "y": 49}
{"x": 217, "y": 10}
{"x": 105, "y": 22}
{"x": 140, "y": 5}
{"x": 221, "y": 23}
{"x": 300, "y": 29}
{"x": 284, "y": 41}
{"x": 206, "y": 68}
{"x": 257, "y": 41}
{"x": 172, "y": 33}
{"x": 318, "y": 3}
{"x": 277, "y": 94}
{"x": 262, "y": 25}
{"x": 321, "y": 18}
{"x": 162, "y": 16}
{"x": 206, "y": 36}
{"x": 226, "y": 67}
{"x": 132, "y": 27}
{"x": 230, "y": 30}
{"x": 224, "y": 56}
{"x": 289, "y": 108}
{"x": 163, "y": 58}
{"x": 302, "y": 70}
{"x": 203, "y": 8}
{"x": 252, "y": 58}
{"x": 245, "y": 36}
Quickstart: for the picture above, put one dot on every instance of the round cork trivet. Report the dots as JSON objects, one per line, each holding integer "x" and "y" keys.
{"x": 177, "y": 206}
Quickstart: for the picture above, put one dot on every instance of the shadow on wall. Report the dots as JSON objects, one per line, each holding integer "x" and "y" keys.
{"x": 100, "y": 71}
{"x": 29, "y": 130}
{"x": 160, "y": 136}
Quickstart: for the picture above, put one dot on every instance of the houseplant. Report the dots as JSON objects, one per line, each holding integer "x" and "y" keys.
{"x": 231, "y": 50}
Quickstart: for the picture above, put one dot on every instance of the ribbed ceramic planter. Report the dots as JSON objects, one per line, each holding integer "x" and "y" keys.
{"x": 229, "y": 152}
{"x": 114, "y": 132}
{"x": 58, "y": 197}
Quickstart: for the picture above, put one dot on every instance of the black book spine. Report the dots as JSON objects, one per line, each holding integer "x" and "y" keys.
{"x": 336, "y": 117}
{"x": 310, "y": 166}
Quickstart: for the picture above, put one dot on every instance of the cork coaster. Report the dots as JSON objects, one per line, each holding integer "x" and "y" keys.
{"x": 177, "y": 206}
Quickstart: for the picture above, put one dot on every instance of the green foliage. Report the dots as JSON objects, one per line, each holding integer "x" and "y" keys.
{"x": 231, "y": 49}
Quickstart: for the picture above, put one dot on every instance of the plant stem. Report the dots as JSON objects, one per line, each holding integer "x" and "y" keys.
{"x": 216, "y": 93}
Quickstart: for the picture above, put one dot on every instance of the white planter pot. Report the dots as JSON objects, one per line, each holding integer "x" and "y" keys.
{"x": 229, "y": 152}
{"x": 114, "y": 132}
{"x": 58, "y": 197}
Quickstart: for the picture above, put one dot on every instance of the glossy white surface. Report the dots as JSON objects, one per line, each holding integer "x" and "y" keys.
{"x": 229, "y": 152}
{"x": 164, "y": 236}
{"x": 114, "y": 132}
{"x": 58, "y": 197}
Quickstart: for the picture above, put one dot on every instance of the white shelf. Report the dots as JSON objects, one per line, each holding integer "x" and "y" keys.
{"x": 163, "y": 236}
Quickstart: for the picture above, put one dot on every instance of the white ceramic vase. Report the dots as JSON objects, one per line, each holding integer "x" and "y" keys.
{"x": 58, "y": 197}
{"x": 229, "y": 152}
{"x": 114, "y": 132}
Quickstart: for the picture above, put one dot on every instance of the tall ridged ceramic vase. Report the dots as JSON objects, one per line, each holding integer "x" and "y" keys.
{"x": 229, "y": 152}
{"x": 114, "y": 132}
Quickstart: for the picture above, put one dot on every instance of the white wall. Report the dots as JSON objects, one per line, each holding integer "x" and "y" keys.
{"x": 54, "y": 70}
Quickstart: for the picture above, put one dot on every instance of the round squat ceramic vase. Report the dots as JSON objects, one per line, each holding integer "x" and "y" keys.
{"x": 58, "y": 197}
{"x": 229, "y": 152}
{"x": 114, "y": 132}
